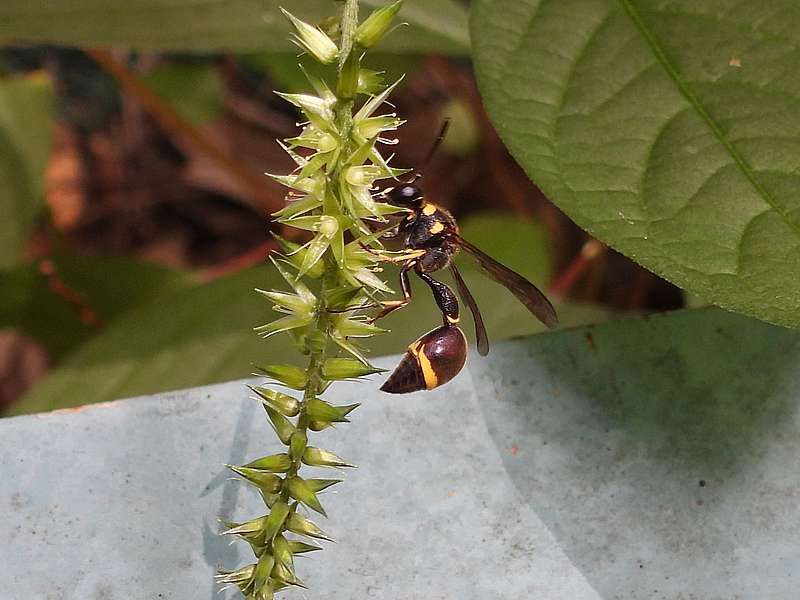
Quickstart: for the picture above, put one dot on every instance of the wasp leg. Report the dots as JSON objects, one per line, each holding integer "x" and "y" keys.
{"x": 352, "y": 308}
{"x": 389, "y": 306}
{"x": 392, "y": 234}
{"x": 400, "y": 229}
{"x": 403, "y": 256}
{"x": 444, "y": 296}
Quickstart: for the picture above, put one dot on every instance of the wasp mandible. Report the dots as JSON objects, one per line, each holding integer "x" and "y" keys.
{"x": 430, "y": 241}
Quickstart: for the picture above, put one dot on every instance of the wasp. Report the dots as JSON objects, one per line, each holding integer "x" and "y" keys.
{"x": 431, "y": 239}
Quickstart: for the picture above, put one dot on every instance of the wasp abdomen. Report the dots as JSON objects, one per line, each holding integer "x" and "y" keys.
{"x": 432, "y": 360}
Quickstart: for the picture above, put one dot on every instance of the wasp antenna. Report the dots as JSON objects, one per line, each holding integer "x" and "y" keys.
{"x": 437, "y": 142}
{"x": 432, "y": 152}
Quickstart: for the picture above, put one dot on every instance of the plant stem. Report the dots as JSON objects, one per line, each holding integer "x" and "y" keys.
{"x": 332, "y": 191}
{"x": 344, "y": 107}
{"x": 314, "y": 381}
{"x": 349, "y": 24}
{"x": 591, "y": 250}
{"x": 344, "y": 117}
{"x": 316, "y": 361}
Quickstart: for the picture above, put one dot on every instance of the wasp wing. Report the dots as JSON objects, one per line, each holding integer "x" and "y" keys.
{"x": 527, "y": 293}
{"x": 466, "y": 296}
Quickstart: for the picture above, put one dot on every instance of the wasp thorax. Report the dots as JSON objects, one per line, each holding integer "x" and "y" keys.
{"x": 431, "y": 361}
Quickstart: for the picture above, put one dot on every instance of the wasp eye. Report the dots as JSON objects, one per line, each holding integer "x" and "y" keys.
{"x": 405, "y": 195}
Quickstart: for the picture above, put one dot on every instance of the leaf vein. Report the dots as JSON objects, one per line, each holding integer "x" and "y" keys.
{"x": 648, "y": 159}
{"x": 565, "y": 90}
{"x": 694, "y": 101}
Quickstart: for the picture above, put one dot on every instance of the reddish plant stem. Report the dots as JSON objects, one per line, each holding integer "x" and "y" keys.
{"x": 87, "y": 315}
{"x": 254, "y": 182}
{"x": 590, "y": 251}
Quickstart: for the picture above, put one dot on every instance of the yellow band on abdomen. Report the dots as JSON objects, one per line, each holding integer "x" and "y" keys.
{"x": 428, "y": 374}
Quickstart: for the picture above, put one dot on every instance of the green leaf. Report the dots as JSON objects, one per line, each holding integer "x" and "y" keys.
{"x": 177, "y": 339}
{"x": 196, "y": 92}
{"x": 26, "y": 120}
{"x": 216, "y": 25}
{"x": 181, "y": 338}
{"x": 518, "y": 243}
{"x": 112, "y": 287}
{"x": 670, "y": 130}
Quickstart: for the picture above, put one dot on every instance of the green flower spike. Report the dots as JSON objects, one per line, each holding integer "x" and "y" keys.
{"x": 377, "y": 25}
{"x": 332, "y": 272}
{"x": 312, "y": 40}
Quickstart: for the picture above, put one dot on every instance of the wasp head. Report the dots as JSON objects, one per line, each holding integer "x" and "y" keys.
{"x": 405, "y": 195}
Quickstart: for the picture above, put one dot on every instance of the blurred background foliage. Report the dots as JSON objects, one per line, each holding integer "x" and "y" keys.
{"x": 135, "y": 210}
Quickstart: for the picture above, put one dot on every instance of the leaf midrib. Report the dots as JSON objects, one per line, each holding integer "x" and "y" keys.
{"x": 660, "y": 55}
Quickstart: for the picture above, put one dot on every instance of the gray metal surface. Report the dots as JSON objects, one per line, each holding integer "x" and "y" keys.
{"x": 563, "y": 466}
